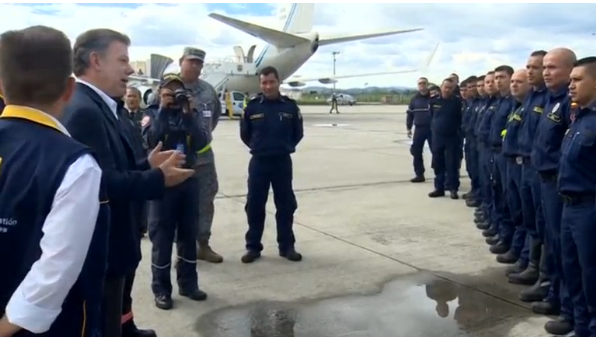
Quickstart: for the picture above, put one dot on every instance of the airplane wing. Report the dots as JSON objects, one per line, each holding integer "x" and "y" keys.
{"x": 143, "y": 79}
{"x": 298, "y": 81}
{"x": 275, "y": 37}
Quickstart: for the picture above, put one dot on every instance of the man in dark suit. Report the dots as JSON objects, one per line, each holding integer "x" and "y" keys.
{"x": 95, "y": 118}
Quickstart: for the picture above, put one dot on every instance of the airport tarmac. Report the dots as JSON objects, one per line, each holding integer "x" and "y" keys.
{"x": 381, "y": 259}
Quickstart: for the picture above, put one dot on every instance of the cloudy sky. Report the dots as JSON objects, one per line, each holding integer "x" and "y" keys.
{"x": 474, "y": 38}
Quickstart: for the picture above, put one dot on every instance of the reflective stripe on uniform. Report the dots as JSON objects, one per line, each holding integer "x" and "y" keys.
{"x": 205, "y": 149}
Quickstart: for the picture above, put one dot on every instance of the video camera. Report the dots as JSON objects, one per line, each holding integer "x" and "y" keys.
{"x": 181, "y": 96}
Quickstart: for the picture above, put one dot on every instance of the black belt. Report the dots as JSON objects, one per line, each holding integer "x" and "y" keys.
{"x": 548, "y": 177}
{"x": 576, "y": 198}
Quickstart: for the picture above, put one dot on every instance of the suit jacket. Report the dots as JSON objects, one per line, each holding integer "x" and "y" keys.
{"x": 90, "y": 121}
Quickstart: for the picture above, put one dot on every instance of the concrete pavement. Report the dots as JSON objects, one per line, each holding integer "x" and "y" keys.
{"x": 381, "y": 258}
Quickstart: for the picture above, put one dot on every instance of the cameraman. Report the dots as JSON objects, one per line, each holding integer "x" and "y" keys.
{"x": 173, "y": 123}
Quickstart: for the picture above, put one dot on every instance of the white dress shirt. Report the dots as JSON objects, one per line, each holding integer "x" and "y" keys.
{"x": 67, "y": 233}
{"x": 113, "y": 105}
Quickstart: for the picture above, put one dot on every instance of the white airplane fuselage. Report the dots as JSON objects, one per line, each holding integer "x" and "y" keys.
{"x": 286, "y": 61}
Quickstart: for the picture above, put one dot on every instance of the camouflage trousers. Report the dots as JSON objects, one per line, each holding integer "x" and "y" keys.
{"x": 208, "y": 187}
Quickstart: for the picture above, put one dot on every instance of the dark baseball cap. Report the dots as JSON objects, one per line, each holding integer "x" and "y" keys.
{"x": 169, "y": 78}
{"x": 194, "y": 54}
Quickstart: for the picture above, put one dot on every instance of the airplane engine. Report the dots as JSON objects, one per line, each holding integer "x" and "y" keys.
{"x": 145, "y": 93}
{"x": 295, "y": 84}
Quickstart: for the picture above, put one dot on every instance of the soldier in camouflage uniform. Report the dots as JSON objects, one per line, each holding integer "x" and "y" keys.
{"x": 206, "y": 100}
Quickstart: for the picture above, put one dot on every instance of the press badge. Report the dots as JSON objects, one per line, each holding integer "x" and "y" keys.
{"x": 206, "y": 113}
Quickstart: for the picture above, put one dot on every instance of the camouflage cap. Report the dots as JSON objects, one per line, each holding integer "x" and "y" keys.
{"x": 194, "y": 54}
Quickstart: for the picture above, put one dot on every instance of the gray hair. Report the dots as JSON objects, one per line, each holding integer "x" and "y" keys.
{"x": 94, "y": 41}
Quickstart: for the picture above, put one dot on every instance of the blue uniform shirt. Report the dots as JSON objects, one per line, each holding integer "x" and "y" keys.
{"x": 532, "y": 110}
{"x": 418, "y": 112}
{"x": 499, "y": 121}
{"x": 271, "y": 127}
{"x": 551, "y": 129}
{"x": 469, "y": 119}
{"x": 486, "y": 121}
{"x": 480, "y": 108}
{"x": 511, "y": 133}
{"x": 35, "y": 156}
{"x": 446, "y": 116}
{"x": 577, "y": 167}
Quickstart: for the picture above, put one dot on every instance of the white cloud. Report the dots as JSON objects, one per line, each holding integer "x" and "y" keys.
{"x": 474, "y": 37}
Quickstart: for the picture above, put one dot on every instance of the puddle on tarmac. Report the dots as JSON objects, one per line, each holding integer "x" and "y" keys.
{"x": 416, "y": 306}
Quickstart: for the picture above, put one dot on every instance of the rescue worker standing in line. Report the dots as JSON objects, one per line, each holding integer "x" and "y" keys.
{"x": 272, "y": 127}
{"x": 54, "y": 250}
{"x": 471, "y": 155}
{"x": 507, "y": 230}
{"x": 519, "y": 91}
{"x": 418, "y": 115}
{"x": 546, "y": 155}
{"x": 476, "y": 199}
{"x": 446, "y": 115}
{"x": 206, "y": 101}
{"x": 531, "y": 203}
{"x": 174, "y": 124}
{"x": 577, "y": 185}
{"x": 487, "y": 154}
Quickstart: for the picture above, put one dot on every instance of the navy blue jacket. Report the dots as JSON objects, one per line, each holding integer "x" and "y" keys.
{"x": 91, "y": 122}
{"x": 485, "y": 122}
{"x": 499, "y": 121}
{"x": 446, "y": 116}
{"x": 511, "y": 137}
{"x": 174, "y": 128}
{"x": 532, "y": 110}
{"x": 553, "y": 124}
{"x": 577, "y": 167}
{"x": 473, "y": 112}
{"x": 418, "y": 112}
{"x": 35, "y": 157}
{"x": 271, "y": 127}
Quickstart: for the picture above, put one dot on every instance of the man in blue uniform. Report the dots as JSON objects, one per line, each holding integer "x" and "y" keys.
{"x": 446, "y": 112}
{"x": 418, "y": 115}
{"x": 470, "y": 142}
{"x": 546, "y": 154}
{"x": 271, "y": 126}
{"x": 519, "y": 91}
{"x": 577, "y": 185}
{"x": 475, "y": 200}
{"x": 53, "y": 210}
{"x": 486, "y": 157}
{"x": 500, "y": 191}
{"x": 533, "y": 220}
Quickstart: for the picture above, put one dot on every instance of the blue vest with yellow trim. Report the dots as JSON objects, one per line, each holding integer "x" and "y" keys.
{"x": 34, "y": 157}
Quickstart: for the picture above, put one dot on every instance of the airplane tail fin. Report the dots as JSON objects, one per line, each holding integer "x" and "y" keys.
{"x": 296, "y": 18}
{"x": 279, "y": 39}
{"x": 327, "y": 40}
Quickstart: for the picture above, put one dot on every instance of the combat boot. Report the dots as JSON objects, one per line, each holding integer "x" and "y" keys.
{"x": 545, "y": 308}
{"x": 489, "y": 232}
{"x": 483, "y": 225}
{"x": 436, "y": 194}
{"x": 499, "y": 248}
{"x": 531, "y": 275}
{"x": 539, "y": 290}
{"x": 418, "y": 179}
{"x": 493, "y": 240}
{"x": 472, "y": 203}
{"x": 516, "y": 268}
{"x": 508, "y": 258}
{"x": 205, "y": 253}
{"x": 559, "y": 327}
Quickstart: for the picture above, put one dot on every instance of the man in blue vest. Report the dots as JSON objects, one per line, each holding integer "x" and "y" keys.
{"x": 53, "y": 210}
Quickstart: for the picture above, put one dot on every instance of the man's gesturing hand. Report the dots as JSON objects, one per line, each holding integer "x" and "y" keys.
{"x": 172, "y": 174}
{"x": 158, "y": 157}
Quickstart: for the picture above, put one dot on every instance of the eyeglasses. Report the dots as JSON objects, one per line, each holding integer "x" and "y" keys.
{"x": 422, "y": 83}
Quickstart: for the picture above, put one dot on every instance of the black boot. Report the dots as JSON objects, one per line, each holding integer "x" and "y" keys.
{"x": 500, "y": 248}
{"x": 483, "y": 226}
{"x": 436, "y": 194}
{"x": 545, "y": 308}
{"x": 472, "y": 203}
{"x": 418, "y": 179}
{"x": 514, "y": 269}
{"x": 539, "y": 290}
{"x": 489, "y": 232}
{"x": 559, "y": 327}
{"x": 531, "y": 275}
{"x": 508, "y": 258}
{"x": 493, "y": 240}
